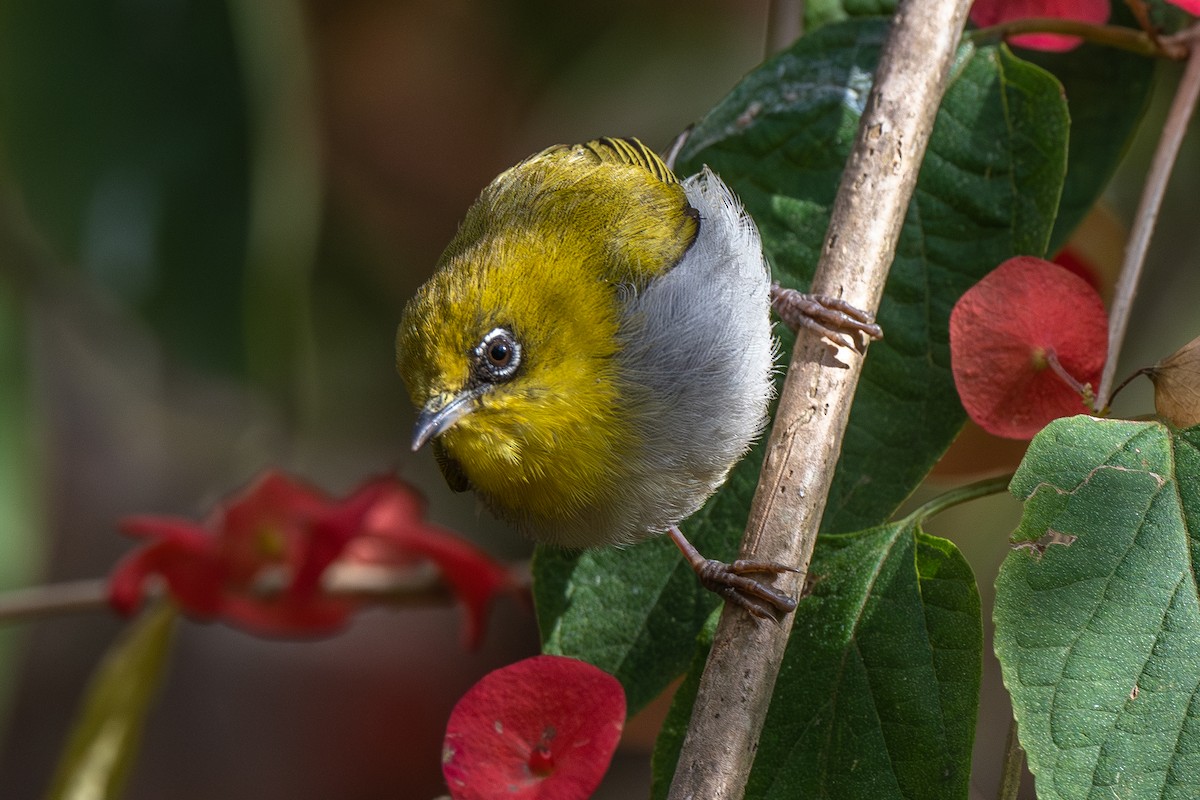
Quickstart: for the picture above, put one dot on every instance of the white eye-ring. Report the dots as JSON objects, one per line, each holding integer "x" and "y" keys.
{"x": 497, "y": 356}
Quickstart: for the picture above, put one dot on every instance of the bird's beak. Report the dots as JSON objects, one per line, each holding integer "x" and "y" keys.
{"x": 440, "y": 413}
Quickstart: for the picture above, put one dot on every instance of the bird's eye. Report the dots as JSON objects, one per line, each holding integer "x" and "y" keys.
{"x": 497, "y": 356}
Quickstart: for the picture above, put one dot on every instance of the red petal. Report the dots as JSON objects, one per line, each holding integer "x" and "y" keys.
{"x": 332, "y": 530}
{"x": 281, "y": 523}
{"x": 985, "y": 13}
{"x": 499, "y": 732}
{"x": 473, "y": 576}
{"x": 1025, "y": 305}
{"x": 1190, "y": 6}
{"x": 284, "y": 616}
{"x": 184, "y": 555}
{"x": 267, "y": 524}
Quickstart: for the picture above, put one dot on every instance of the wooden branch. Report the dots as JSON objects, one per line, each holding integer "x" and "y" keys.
{"x": 806, "y": 438}
{"x": 1161, "y": 168}
{"x": 394, "y": 587}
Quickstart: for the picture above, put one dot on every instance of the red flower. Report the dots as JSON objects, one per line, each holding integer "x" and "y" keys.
{"x": 259, "y": 560}
{"x": 542, "y": 728}
{"x": 985, "y": 13}
{"x": 397, "y": 536}
{"x": 1027, "y": 343}
{"x": 1190, "y": 6}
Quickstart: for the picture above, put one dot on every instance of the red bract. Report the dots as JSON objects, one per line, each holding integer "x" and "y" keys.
{"x": 259, "y": 560}
{"x": 1007, "y": 332}
{"x": 397, "y": 536}
{"x": 542, "y": 728}
{"x": 986, "y": 13}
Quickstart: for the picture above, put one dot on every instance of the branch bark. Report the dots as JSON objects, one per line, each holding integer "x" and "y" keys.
{"x": 739, "y": 677}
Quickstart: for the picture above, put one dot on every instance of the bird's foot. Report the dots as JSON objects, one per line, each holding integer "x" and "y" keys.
{"x": 830, "y": 317}
{"x": 732, "y": 582}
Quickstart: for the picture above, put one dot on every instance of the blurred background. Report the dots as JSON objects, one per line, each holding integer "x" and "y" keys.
{"x": 210, "y": 217}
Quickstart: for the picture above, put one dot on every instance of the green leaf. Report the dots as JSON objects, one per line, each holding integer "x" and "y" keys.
{"x": 105, "y": 739}
{"x": 987, "y": 191}
{"x": 631, "y": 612}
{"x": 22, "y": 529}
{"x": 819, "y": 13}
{"x": 1097, "y": 616}
{"x": 879, "y": 686}
{"x": 125, "y": 133}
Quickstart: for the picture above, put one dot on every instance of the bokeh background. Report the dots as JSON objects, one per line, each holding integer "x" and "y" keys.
{"x": 211, "y": 215}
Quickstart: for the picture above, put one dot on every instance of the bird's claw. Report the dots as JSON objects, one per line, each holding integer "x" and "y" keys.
{"x": 830, "y": 317}
{"x": 731, "y": 582}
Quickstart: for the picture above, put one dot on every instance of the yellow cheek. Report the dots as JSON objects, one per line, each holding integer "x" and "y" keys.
{"x": 543, "y": 457}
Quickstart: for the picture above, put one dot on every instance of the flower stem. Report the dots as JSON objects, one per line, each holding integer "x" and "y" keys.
{"x": 1013, "y": 767}
{"x": 963, "y": 494}
{"x": 1152, "y": 196}
{"x": 1084, "y": 390}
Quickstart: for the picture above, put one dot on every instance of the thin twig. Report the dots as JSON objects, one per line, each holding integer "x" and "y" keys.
{"x": 407, "y": 588}
{"x": 1152, "y": 196}
{"x": 1116, "y": 36}
{"x": 34, "y": 602}
{"x": 785, "y": 24}
{"x": 1130, "y": 379}
{"x": 806, "y": 437}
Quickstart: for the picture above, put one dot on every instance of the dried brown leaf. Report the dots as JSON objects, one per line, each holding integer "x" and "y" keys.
{"x": 1177, "y": 385}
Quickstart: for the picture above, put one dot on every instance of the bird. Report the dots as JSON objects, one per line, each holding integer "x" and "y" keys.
{"x": 594, "y": 352}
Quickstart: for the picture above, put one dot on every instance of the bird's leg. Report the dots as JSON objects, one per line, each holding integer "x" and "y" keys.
{"x": 677, "y": 145}
{"x": 831, "y": 317}
{"x": 731, "y": 581}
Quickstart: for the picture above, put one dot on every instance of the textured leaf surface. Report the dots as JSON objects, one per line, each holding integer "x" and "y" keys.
{"x": 105, "y": 739}
{"x": 1097, "y": 619}
{"x": 879, "y": 687}
{"x": 988, "y": 190}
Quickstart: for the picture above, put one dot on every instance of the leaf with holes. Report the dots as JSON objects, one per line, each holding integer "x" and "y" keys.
{"x": 1097, "y": 619}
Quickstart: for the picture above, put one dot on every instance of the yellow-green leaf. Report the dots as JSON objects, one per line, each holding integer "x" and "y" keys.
{"x": 105, "y": 739}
